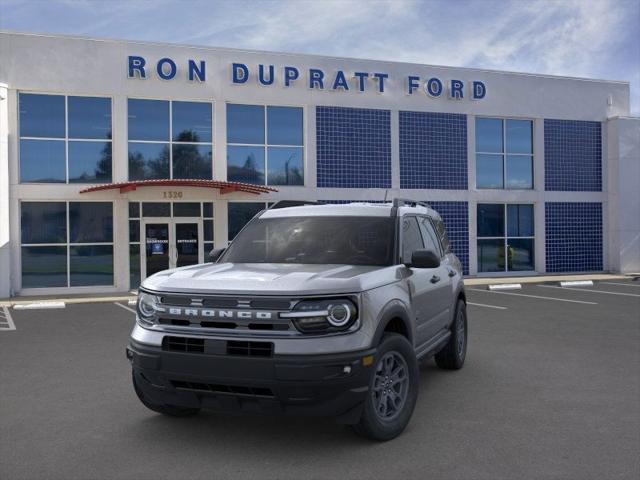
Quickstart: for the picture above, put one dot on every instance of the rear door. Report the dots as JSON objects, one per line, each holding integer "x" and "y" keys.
{"x": 443, "y": 286}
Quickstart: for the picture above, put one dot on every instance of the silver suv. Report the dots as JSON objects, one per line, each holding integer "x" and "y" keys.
{"x": 312, "y": 309}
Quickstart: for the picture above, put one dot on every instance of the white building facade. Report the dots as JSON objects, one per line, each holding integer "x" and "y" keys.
{"x": 119, "y": 159}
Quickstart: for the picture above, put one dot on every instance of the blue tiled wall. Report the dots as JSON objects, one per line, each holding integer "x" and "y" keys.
{"x": 573, "y": 236}
{"x": 455, "y": 216}
{"x": 572, "y": 155}
{"x": 433, "y": 150}
{"x": 353, "y": 147}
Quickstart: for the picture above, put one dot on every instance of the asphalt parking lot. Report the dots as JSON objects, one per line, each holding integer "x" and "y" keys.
{"x": 551, "y": 389}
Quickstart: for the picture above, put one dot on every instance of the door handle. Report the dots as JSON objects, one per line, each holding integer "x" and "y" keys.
{"x": 435, "y": 279}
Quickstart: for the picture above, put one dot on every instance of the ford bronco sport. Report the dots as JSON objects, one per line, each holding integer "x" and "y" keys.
{"x": 312, "y": 309}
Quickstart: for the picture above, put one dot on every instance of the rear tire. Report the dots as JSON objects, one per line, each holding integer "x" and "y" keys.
{"x": 393, "y": 390}
{"x": 170, "y": 410}
{"x": 452, "y": 356}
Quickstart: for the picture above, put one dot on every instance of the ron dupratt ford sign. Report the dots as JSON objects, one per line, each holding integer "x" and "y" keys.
{"x": 314, "y": 78}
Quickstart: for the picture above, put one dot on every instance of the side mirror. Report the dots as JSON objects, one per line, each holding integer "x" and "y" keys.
{"x": 424, "y": 259}
{"x": 215, "y": 254}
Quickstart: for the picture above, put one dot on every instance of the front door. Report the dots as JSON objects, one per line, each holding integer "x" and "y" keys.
{"x": 187, "y": 241}
{"x": 170, "y": 243}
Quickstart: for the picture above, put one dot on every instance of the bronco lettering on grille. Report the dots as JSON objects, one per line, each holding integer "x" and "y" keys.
{"x": 209, "y": 313}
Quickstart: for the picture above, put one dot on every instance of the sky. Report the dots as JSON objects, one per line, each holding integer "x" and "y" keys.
{"x": 580, "y": 38}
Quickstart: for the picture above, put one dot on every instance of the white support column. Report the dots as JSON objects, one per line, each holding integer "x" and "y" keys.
{"x": 471, "y": 153}
{"x": 473, "y": 236}
{"x": 472, "y": 195}
{"x": 220, "y": 224}
{"x": 220, "y": 142}
{"x": 395, "y": 150}
{"x": 311, "y": 161}
{"x": 5, "y": 243}
{"x": 121, "y": 244}
{"x": 623, "y": 205}
{"x": 540, "y": 244}
{"x": 120, "y": 155}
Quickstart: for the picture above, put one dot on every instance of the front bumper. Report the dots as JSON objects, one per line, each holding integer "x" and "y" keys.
{"x": 319, "y": 385}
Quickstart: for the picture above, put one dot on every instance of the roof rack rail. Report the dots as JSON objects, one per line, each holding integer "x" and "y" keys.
{"x": 405, "y": 202}
{"x": 292, "y": 203}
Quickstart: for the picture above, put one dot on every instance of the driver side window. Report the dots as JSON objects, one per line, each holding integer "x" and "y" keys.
{"x": 411, "y": 238}
{"x": 430, "y": 237}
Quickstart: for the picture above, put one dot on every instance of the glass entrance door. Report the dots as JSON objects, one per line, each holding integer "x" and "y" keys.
{"x": 171, "y": 243}
{"x": 157, "y": 248}
{"x": 187, "y": 241}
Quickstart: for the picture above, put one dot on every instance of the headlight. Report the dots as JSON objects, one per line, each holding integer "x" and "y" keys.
{"x": 323, "y": 315}
{"x": 147, "y": 306}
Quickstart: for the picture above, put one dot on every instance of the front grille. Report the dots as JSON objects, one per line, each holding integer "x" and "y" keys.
{"x": 227, "y": 313}
{"x": 183, "y": 344}
{"x": 270, "y": 303}
{"x": 229, "y": 389}
{"x": 217, "y": 347}
{"x": 249, "y": 349}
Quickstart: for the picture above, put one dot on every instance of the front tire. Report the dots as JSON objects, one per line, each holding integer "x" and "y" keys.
{"x": 393, "y": 390}
{"x": 452, "y": 356}
{"x": 170, "y": 410}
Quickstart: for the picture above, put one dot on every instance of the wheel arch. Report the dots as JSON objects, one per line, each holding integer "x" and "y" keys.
{"x": 394, "y": 319}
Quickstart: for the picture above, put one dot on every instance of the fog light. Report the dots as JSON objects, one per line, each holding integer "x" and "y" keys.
{"x": 368, "y": 360}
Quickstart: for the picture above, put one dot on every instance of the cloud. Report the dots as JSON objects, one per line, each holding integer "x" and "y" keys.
{"x": 589, "y": 38}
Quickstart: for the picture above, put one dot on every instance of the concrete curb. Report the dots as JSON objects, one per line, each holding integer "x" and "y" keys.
{"x": 68, "y": 301}
{"x": 543, "y": 279}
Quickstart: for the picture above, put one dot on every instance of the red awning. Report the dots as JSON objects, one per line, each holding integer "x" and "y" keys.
{"x": 223, "y": 187}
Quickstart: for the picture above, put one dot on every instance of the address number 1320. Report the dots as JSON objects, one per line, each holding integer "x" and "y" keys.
{"x": 172, "y": 194}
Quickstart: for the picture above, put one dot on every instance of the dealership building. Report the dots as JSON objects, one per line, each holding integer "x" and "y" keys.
{"x": 119, "y": 159}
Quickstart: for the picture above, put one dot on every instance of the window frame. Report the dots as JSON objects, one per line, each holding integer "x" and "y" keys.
{"x": 67, "y": 244}
{"x": 506, "y": 237}
{"x": 170, "y": 142}
{"x": 504, "y": 154}
{"x": 66, "y": 139}
{"x": 266, "y": 145}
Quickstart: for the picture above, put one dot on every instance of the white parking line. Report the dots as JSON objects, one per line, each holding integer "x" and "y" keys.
{"x": 533, "y": 296}
{"x": 6, "y": 322}
{"x": 126, "y": 308}
{"x": 621, "y": 284}
{"x": 39, "y": 305}
{"x": 486, "y": 306}
{"x": 591, "y": 290}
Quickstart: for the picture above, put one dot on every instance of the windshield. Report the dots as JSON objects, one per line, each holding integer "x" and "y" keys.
{"x": 317, "y": 240}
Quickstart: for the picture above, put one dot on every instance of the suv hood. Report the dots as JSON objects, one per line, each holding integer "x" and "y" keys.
{"x": 271, "y": 279}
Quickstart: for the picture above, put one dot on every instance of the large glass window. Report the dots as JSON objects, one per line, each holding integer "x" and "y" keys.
{"x": 170, "y": 140}
{"x": 65, "y": 139}
{"x": 504, "y": 153}
{"x": 505, "y": 237}
{"x": 265, "y": 144}
{"x": 66, "y": 244}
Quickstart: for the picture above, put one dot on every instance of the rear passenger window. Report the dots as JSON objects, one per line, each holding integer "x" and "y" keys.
{"x": 411, "y": 238}
{"x": 429, "y": 235}
{"x": 444, "y": 238}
